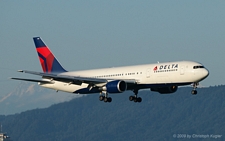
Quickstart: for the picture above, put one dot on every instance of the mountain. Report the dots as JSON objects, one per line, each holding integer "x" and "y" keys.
{"x": 158, "y": 117}
{"x": 29, "y": 96}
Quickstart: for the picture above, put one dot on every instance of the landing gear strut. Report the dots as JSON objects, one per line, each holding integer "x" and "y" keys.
{"x": 135, "y": 98}
{"x": 105, "y": 98}
{"x": 194, "y": 91}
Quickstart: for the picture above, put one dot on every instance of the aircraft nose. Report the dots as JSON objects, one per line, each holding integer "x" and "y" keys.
{"x": 205, "y": 73}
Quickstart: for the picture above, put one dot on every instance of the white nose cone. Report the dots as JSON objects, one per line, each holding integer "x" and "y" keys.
{"x": 205, "y": 73}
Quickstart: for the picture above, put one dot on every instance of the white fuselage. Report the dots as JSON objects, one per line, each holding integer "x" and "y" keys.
{"x": 168, "y": 73}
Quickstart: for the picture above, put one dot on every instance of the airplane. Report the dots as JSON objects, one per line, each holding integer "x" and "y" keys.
{"x": 163, "y": 78}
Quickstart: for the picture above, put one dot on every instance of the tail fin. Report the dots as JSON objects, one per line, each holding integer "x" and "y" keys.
{"x": 48, "y": 61}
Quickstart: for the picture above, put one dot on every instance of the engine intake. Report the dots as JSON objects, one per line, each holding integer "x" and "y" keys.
{"x": 117, "y": 86}
{"x": 165, "y": 90}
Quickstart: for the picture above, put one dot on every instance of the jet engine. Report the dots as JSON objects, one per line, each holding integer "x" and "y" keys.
{"x": 165, "y": 90}
{"x": 117, "y": 86}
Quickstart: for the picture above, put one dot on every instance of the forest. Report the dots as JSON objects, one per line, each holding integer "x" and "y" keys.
{"x": 158, "y": 117}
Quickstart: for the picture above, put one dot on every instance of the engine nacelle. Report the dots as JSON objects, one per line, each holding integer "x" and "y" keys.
{"x": 165, "y": 90}
{"x": 116, "y": 86}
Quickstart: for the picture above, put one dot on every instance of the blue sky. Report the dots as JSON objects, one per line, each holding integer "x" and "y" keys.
{"x": 96, "y": 34}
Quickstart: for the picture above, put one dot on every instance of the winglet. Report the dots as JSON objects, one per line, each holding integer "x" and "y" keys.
{"x": 47, "y": 59}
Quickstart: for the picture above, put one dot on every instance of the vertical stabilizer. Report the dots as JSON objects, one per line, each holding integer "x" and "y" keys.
{"x": 47, "y": 59}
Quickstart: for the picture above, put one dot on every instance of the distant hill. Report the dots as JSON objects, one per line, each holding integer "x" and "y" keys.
{"x": 29, "y": 96}
{"x": 157, "y": 117}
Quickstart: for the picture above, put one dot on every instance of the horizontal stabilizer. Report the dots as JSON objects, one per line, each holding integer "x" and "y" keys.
{"x": 33, "y": 80}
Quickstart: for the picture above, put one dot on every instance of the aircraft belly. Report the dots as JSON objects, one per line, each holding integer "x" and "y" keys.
{"x": 171, "y": 79}
{"x": 157, "y": 79}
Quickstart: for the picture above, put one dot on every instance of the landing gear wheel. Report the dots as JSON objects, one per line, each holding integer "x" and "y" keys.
{"x": 105, "y": 99}
{"x": 139, "y": 99}
{"x": 131, "y": 98}
{"x": 193, "y": 92}
{"x": 109, "y": 99}
{"x": 101, "y": 97}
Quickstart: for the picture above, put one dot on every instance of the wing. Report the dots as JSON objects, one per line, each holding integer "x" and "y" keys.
{"x": 77, "y": 80}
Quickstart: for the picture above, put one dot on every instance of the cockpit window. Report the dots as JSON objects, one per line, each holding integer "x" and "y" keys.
{"x": 196, "y": 67}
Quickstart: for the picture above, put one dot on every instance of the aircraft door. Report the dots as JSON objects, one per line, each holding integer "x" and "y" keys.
{"x": 148, "y": 73}
{"x": 182, "y": 70}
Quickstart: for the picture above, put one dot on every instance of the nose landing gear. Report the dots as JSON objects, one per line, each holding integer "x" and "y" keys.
{"x": 194, "y": 91}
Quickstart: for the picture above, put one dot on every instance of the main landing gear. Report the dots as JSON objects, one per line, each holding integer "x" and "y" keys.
{"x": 135, "y": 98}
{"x": 194, "y": 91}
{"x": 105, "y": 98}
